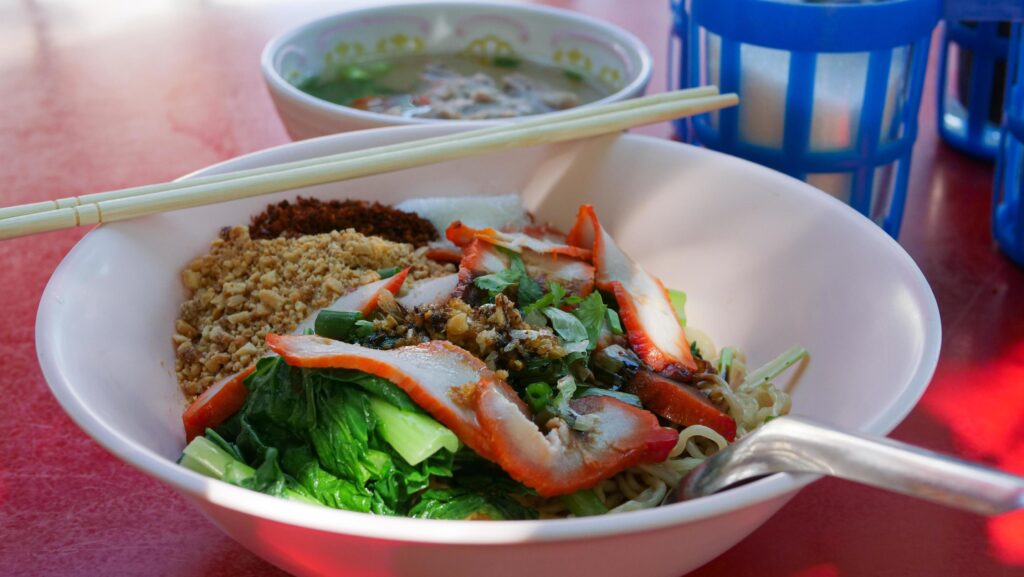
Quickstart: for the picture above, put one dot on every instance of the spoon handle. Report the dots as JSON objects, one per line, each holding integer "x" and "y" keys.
{"x": 797, "y": 444}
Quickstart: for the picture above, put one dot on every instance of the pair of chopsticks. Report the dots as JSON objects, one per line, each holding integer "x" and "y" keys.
{"x": 139, "y": 201}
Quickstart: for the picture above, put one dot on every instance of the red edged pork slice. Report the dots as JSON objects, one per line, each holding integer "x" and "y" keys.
{"x": 463, "y": 235}
{"x": 481, "y": 257}
{"x": 443, "y": 251}
{"x": 363, "y": 299}
{"x": 434, "y": 291}
{"x": 546, "y": 233}
{"x": 478, "y": 258}
{"x": 647, "y": 315}
{"x": 216, "y": 404}
{"x": 575, "y": 276}
{"x": 485, "y": 413}
{"x": 564, "y": 460}
{"x": 439, "y": 376}
{"x": 680, "y": 403}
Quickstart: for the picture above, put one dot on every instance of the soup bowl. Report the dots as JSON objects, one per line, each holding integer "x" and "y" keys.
{"x": 608, "y": 57}
{"x": 766, "y": 260}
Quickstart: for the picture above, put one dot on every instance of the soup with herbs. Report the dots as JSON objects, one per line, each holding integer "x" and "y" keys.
{"x": 453, "y": 87}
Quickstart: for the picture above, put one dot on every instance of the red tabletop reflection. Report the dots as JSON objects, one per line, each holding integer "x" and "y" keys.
{"x": 102, "y": 94}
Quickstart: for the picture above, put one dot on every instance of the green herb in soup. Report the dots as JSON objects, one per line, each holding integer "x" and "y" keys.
{"x": 453, "y": 87}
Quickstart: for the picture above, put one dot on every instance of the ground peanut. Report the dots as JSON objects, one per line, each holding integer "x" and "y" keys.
{"x": 245, "y": 288}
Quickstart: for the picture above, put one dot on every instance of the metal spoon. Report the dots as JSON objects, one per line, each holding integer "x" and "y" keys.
{"x": 799, "y": 445}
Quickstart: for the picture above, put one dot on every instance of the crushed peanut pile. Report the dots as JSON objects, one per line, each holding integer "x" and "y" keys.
{"x": 245, "y": 288}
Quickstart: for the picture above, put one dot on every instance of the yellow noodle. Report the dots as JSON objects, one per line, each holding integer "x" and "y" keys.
{"x": 750, "y": 406}
{"x": 652, "y": 496}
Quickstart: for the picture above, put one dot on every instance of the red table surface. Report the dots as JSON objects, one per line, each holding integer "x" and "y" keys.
{"x": 102, "y": 94}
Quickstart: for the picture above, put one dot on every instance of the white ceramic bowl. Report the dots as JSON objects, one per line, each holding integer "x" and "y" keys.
{"x": 608, "y": 55}
{"x": 767, "y": 262}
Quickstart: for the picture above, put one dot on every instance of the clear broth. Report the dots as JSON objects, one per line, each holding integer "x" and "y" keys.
{"x": 453, "y": 86}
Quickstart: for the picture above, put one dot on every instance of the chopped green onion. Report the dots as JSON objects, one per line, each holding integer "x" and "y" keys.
{"x": 338, "y": 325}
{"x": 538, "y": 395}
{"x": 363, "y": 329}
{"x": 584, "y": 503}
{"x": 775, "y": 367}
{"x": 389, "y": 271}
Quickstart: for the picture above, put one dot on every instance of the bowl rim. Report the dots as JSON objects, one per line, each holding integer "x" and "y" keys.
{"x": 287, "y": 90}
{"x": 224, "y": 495}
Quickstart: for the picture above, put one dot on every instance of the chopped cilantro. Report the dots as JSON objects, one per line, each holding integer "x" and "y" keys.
{"x": 591, "y": 314}
{"x": 528, "y": 291}
{"x": 496, "y": 283}
{"x": 566, "y": 325}
{"x": 552, "y": 298}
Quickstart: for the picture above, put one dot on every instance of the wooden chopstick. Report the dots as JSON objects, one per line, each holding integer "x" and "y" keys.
{"x": 584, "y": 112}
{"x": 569, "y": 125}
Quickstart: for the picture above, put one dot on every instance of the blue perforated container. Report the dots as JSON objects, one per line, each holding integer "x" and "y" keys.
{"x": 1008, "y": 201}
{"x": 829, "y": 91}
{"x": 972, "y": 77}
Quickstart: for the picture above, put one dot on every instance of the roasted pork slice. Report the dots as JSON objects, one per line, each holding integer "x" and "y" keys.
{"x": 647, "y": 315}
{"x": 680, "y": 403}
{"x": 481, "y": 257}
{"x": 485, "y": 413}
{"x": 439, "y": 376}
{"x": 565, "y": 460}
{"x": 462, "y": 235}
{"x": 362, "y": 299}
{"x": 434, "y": 291}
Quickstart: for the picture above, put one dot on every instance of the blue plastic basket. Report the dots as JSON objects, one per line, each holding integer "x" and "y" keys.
{"x": 972, "y": 75}
{"x": 1007, "y": 205}
{"x": 829, "y": 92}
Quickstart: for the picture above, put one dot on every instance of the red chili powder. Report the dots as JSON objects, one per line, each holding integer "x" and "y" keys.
{"x": 313, "y": 216}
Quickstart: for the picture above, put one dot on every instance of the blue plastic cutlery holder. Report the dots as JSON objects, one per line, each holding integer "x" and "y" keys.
{"x": 972, "y": 77}
{"x": 1007, "y": 205}
{"x": 829, "y": 92}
